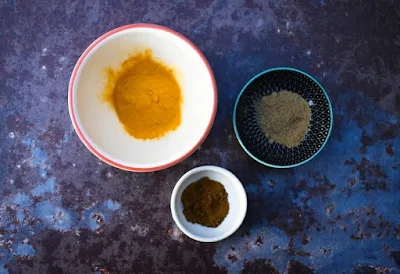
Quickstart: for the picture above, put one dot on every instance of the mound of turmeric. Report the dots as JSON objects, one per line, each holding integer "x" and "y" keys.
{"x": 145, "y": 95}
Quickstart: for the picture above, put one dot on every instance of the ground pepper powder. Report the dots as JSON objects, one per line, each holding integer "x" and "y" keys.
{"x": 285, "y": 118}
{"x": 205, "y": 202}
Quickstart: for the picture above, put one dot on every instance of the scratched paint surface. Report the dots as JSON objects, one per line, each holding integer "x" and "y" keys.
{"x": 64, "y": 211}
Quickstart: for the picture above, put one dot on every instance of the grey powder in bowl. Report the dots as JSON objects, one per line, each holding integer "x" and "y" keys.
{"x": 285, "y": 118}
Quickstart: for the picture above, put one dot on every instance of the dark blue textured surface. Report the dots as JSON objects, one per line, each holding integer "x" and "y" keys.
{"x": 63, "y": 211}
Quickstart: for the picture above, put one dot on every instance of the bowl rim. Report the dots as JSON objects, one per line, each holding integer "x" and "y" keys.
{"x": 237, "y": 132}
{"x": 232, "y": 179}
{"x": 71, "y": 92}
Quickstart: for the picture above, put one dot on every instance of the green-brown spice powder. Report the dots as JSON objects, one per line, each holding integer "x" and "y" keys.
{"x": 285, "y": 118}
{"x": 205, "y": 202}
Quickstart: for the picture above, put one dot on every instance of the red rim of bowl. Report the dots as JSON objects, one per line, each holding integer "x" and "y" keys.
{"x": 72, "y": 110}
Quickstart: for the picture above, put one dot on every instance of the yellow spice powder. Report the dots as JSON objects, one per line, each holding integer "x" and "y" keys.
{"x": 145, "y": 95}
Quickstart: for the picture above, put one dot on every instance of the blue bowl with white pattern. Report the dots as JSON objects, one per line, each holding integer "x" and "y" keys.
{"x": 246, "y": 117}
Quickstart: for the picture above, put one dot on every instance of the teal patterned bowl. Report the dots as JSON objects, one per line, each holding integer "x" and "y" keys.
{"x": 246, "y": 118}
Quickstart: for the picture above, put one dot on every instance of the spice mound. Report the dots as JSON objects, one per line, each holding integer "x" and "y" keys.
{"x": 145, "y": 95}
{"x": 285, "y": 118}
{"x": 205, "y": 202}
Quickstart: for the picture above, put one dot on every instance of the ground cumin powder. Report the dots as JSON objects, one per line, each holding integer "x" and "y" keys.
{"x": 205, "y": 202}
{"x": 145, "y": 95}
{"x": 285, "y": 118}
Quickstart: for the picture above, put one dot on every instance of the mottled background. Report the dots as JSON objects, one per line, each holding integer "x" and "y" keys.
{"x": 64, "y": 211}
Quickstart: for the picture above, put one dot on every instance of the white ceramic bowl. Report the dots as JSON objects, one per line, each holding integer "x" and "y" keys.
{"x": 97, "y": 125}
{"x": 236, "y": 197}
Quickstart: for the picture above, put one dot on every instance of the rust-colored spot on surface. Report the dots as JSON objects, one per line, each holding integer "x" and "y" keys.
{"x": 232, "y": 258}
{"x": 352, "y": 182}
{"x": 303, "y": 253}
{"x": 366, "y": 141}
{"x": 397, "y": 231}
{"x": 389, "y": 150}
{"x": 259, "y": 241}
{"x": 349, "y": 161}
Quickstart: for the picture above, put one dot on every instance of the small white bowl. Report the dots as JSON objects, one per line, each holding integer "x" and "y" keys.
{"x": 97, "y": 125}
{"x": 236, "y": 197}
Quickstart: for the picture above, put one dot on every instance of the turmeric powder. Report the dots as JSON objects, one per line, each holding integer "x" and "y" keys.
{"x": 145, "y": 96}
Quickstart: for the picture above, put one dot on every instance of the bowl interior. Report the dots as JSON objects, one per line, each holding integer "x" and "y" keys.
{"x": 247, "y": 118}
{"x": 236, "y": 198}
{"x": 99, "y": 124}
